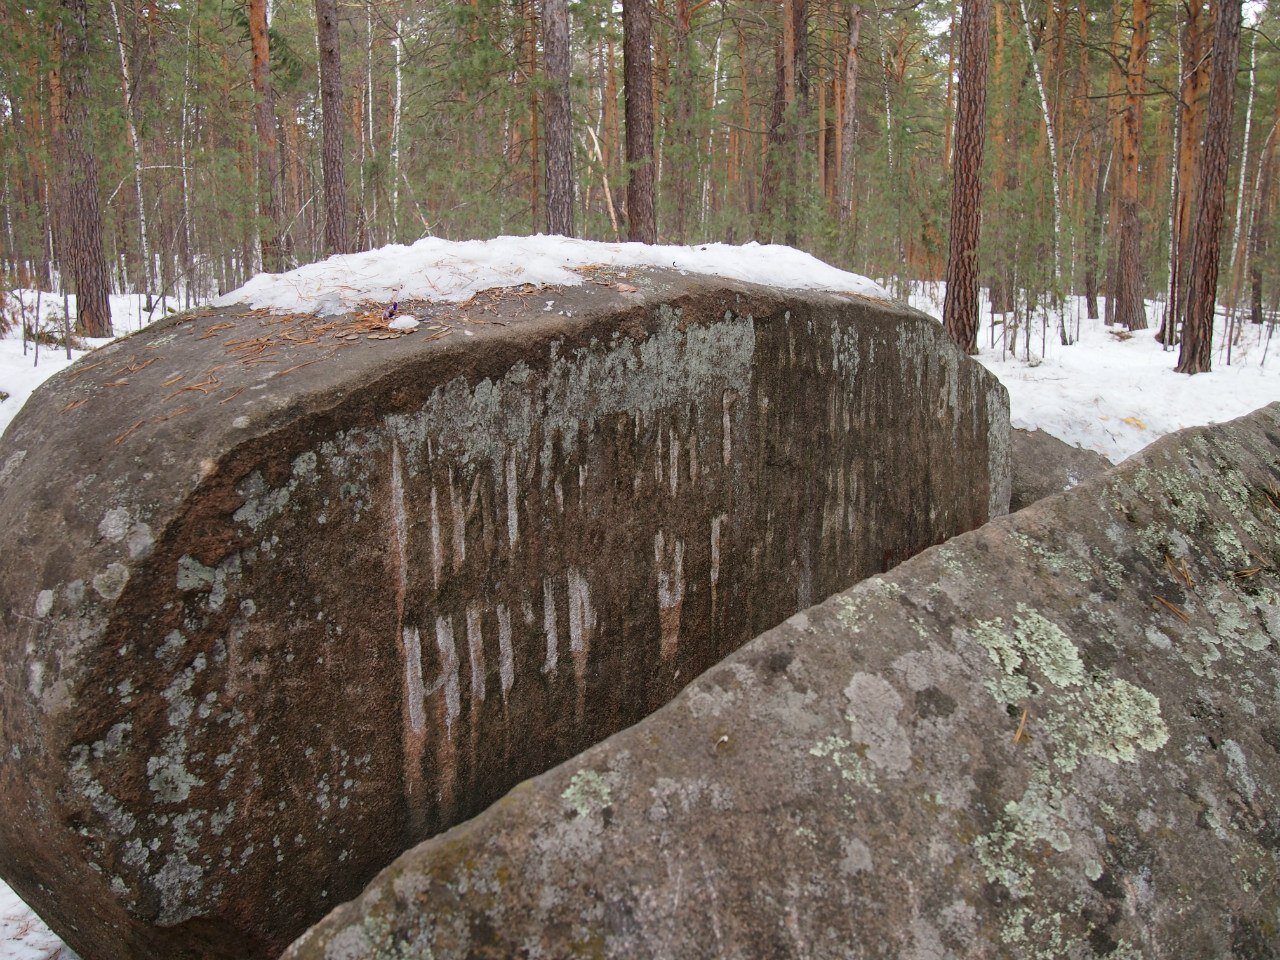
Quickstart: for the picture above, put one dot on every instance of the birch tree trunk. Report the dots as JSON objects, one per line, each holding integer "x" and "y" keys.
{"x": 131, "y": 127}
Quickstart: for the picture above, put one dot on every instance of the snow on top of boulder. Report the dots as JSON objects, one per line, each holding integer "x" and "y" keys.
{"x": 448, "y": 270}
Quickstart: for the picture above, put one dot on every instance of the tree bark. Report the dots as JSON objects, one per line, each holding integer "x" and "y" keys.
{"x": 80, "y": 222}
{"x": 637, "y": 69}
{"x": 273, "y": 242}
{"x": 1130, "y": 307}
{"x": 960, "y": 306}
{"x": 1258, "y": 231}
{"x": 335, "y": 180}
{"x": 1194, "y": 81}
{"x": 559, "y": 132}
{"x": 849, "y": 117}
{"x": 1202, "y": 276}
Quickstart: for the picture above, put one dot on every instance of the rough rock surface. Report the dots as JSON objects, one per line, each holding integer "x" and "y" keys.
{"x": 1043, "y": 465}
{"x": 1057, "y": 736}
{"x": 281, "y": 600}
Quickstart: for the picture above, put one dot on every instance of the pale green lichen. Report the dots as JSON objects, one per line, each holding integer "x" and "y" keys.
{"x": 847, "y": 761}
{"x": 1034, "y": 645}
{"x": 1081, "y": 714}
{"x": 587, "y": 793}
{"x": 1028, "y": 823}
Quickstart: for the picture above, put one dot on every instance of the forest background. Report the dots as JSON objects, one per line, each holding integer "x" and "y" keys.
{"x": 826, "y": 125}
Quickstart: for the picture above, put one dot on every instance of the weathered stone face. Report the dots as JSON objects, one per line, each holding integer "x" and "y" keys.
{"x": 262, "y": 635}
{"x": 1043, "y": 465}
{"x": 1056, "y": 736}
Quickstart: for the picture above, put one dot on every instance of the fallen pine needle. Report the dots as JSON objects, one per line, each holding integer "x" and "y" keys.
{"x": 128, "y": 432}
{"x": 1176, "y": 610}
{"x": 1022, "y": 724}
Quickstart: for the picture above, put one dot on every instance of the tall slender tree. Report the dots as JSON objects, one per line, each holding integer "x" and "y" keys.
{"x": 1262, "y": 205}
{"x": 960, "y": 305}
{"x": 847, "y": 166}
{"x": 273, "y": 242}
{"x": 1206, "y": 243}
{"x": 1130, "y": 308}
{"x": 637, "y": 70}
{"x": 79, "y": 223}
{"x": 559, "y": 121}
{"x": 331, "y": 154}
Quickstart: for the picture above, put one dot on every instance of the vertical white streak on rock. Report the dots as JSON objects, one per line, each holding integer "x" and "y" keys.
{"x": 715, "y": 548}
{"x": 437, "y": 548}
{"x": 559, "y": 488}
{"x": 657, "y": 460}
{"x": 448, "y": 672}
{"x": 693, "y": 456}
{"x": 414, "y": 693}
{"x": 549, "y": 626}
{"x": 513, "y": 514}
{"x": 459, "y": 513}
{"x": 726, "y": 448}
{"x": 673, "y": 447}
{"x": 670, "y": 567}
{"x": 507, "y": 660}
{"x": 582, "y": 481}
{"x": 582, "y": 616}
{"x": 399, "y": 522}
{"x": 475, "y": 646}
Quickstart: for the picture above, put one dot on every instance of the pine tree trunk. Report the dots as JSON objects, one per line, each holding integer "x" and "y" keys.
{"x": 1130, "y": 308}
{"x": 1258, "y": 232}
{"x": 637, "y": 69}
{"x": 80, "y": 220}
{"x": 681, "y": 139}
{"x": 960, "y": 306}
{"x": 1194, "y": 83}
{"x": 559, "y": 133}
{"x": 273, "y": 242}
{"x": 1202, "y": 277}
{"x": 331, "y": 157}
{"x": 847, "y": 165}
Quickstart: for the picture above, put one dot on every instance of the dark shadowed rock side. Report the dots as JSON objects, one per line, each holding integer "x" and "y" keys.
{"x": 1043, "y": 465}
{"x": 279, "y": 604}
{"x": 1057, "y": 736}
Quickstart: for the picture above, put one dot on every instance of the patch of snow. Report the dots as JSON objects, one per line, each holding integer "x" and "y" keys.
{"x": 1114, "y": 392}
{"x": 23, "y": 935}
{"x": 447, "y": 270}
{"x": 404, "y": 322}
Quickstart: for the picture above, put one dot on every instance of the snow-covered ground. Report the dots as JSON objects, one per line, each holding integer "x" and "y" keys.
{"x": 1108, "y": 394}
{"x": 23, "y": 935}
{"x": 23, "y": 368}
{"x": 1113, "y": 392}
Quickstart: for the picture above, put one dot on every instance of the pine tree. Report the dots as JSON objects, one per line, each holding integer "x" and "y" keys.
{"x": 960, "y": 306}
{"x": 79, "y": 224}
{"x": 335, "y": 182}
{"x": 559, "y": 119}
{"x": 1206, "y": 244}
{"x": 637, "y": 68}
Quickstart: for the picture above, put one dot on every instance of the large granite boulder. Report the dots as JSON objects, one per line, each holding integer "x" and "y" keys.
{"x": 1043, "y": 465}
{"x": 1057, "y": 736}
{"x": 284, "y": 595}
